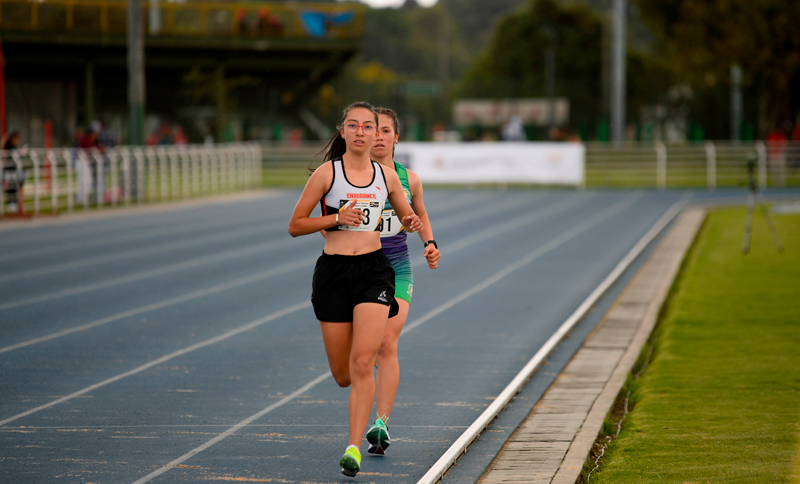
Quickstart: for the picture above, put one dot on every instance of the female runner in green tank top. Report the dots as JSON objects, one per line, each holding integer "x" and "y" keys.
{"x": 393, "y": 241}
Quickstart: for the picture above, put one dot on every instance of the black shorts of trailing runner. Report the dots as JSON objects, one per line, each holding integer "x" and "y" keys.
{"x": 341, "y": 282}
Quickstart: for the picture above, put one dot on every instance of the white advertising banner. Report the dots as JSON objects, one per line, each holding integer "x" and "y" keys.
{"x": 502, "y": 162}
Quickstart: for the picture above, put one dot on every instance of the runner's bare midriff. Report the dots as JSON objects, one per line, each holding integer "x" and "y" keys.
{"x": 352, "y": 243}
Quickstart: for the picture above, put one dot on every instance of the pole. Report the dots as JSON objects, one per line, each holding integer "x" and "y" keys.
{"x": 89, "y": 92}
{"x": 136, "y": 82}
{"x": 736, "y": 102}
{"x": 550, "y": 69}
{"x": 618, "y": 72}
{"x": 444, "y": 61}
{"x": 155, "y": 17}
{"x": 219, "y": 97}
{"x": 2, "y": 93}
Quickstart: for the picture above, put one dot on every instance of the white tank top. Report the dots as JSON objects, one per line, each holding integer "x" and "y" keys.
{"x": 370, "y": 199}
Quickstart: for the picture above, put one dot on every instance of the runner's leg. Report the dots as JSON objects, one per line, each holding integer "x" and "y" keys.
{"x": 369, "y": 325}
{"x": 338, "y": 339}
{"x": 388, "y": 365}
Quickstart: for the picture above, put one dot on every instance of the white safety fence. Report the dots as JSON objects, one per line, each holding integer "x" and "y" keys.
{"x": 710, "y": 164}
{"x": 39, "y": 180}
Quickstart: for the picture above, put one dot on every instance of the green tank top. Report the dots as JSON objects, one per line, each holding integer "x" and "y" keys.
{"x": 402, "y": 172}
{"x": 393, "y": 235}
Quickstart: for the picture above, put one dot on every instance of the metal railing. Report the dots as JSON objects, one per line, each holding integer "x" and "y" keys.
{"x": 269, "y": 20}
{"x": 62, "y": 179}
{"x": 698, "y": 165}
{"x": 67, "y": 178}
{"x": 648, "y": 165}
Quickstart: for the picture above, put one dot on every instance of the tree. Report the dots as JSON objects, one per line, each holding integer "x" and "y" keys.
{"x": 702, "y": 39}
{"x": 513, "y": 64}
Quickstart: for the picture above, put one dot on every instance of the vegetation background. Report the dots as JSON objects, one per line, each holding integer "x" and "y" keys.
{"x": 680, "y": 52}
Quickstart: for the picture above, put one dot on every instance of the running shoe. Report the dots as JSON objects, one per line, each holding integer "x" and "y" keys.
{"x": 351, "y": 461}
{"x": 378, "y": 437}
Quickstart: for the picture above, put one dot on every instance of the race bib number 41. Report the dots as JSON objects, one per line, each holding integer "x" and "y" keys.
{"x": 372, "y": 214}
{"x": 390, "y": 224}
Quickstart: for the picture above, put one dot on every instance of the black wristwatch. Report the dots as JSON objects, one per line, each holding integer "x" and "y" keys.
{"x": 432, "y": 242}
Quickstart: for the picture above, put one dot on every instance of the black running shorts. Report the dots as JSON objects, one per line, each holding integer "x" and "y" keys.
{"x": 343, "y": 281}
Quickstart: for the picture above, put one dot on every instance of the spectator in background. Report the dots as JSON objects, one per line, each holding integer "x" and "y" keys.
{"x": 84, "y": 161}
{"x": 105, "y": 137}
{"x": 776, "y": 154}
{"x": 795, "y": 138}
{"x": 165, "y": 134}
{"x": 179, "y": 136}
{"x": 513, "y": 130}
{"x": 267, "y": 23}
{"x": 13, "y": 172}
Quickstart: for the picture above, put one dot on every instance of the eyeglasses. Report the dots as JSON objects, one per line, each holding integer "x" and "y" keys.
{"x": 368, "y": 129}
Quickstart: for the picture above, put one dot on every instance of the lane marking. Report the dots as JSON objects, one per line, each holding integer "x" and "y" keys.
{"x": 554, "y": 243}
{"x": 167, "y": 302}
{"x": 226, "y": 335}
{"x": 137, "y": 276}
{"x": 138, "y": 252}
{"x": 233, "y": 429}
{"x": 248, "y": 279}
{"x": 85, "y": 242}
{"x": 165, "y": 358}
{"x": 188, "y": 224}
{"x": 461, "y": 444}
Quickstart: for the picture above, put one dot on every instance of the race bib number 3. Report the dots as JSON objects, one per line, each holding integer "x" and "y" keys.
{"x": 372, "y": 214}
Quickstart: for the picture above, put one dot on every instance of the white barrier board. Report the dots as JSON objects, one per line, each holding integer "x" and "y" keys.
{"x": 501, "y": 162}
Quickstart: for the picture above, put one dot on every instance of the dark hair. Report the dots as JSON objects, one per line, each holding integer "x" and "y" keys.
{"x": 395, "y": 121}
{"x": 336, "y": 147}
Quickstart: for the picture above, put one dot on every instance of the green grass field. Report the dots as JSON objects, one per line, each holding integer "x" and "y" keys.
{"x": 720, "y": 399}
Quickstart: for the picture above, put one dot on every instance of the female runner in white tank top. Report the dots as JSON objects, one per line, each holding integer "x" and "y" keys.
{"x": 353, "y": 285}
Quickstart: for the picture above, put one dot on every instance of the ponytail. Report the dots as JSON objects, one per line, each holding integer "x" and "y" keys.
{"x": 335, "y": 148}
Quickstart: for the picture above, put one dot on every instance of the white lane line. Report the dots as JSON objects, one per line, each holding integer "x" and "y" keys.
{"x": 136, "y": 217}
{"x": 520, "y": 221}
{"x": 446, "y": 222}
{"x": 189, "y": 264}
{"x": 246, "y": 280}
{"x": 162, "y": 304}
{"x": 165, "y": 358}
{"x": 179, "y": 244}
{"x": 316, "y": 381}
{"x": 554, "y": 243}
{"x": 540, "y": 251}
{"x": 90, "y": 241}
{"x": 461, "y": 444}
{"x": 187, "y": 225}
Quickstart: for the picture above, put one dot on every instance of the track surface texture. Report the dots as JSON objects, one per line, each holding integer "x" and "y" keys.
{"x": 180, "y": 346}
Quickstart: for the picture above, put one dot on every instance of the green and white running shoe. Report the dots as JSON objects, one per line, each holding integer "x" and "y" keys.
{"x": 351, "y": 461}
{"x": 378, "y": 437}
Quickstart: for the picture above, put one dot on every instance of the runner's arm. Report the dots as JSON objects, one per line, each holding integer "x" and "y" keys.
{"x": 431, "y": 252}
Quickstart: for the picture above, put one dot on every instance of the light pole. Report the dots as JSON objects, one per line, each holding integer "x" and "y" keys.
{"x": 551, "y": 37}
{"x": 736, "y": 102}
{"x": 136, "y": 86}
{"x": 618, "y": 72}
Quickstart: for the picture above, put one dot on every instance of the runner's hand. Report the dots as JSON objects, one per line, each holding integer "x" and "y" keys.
{"x": 412, "y": 223}
{"x": 351, "y": 216}
{"x": 431, "y": 253}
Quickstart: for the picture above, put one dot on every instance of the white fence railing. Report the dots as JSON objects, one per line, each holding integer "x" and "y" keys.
{"x": 709, "y": 164}
{"x": 65, "y": 178}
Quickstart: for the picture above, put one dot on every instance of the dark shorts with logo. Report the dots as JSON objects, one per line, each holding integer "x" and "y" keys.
{"x": 343, "y": 281}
